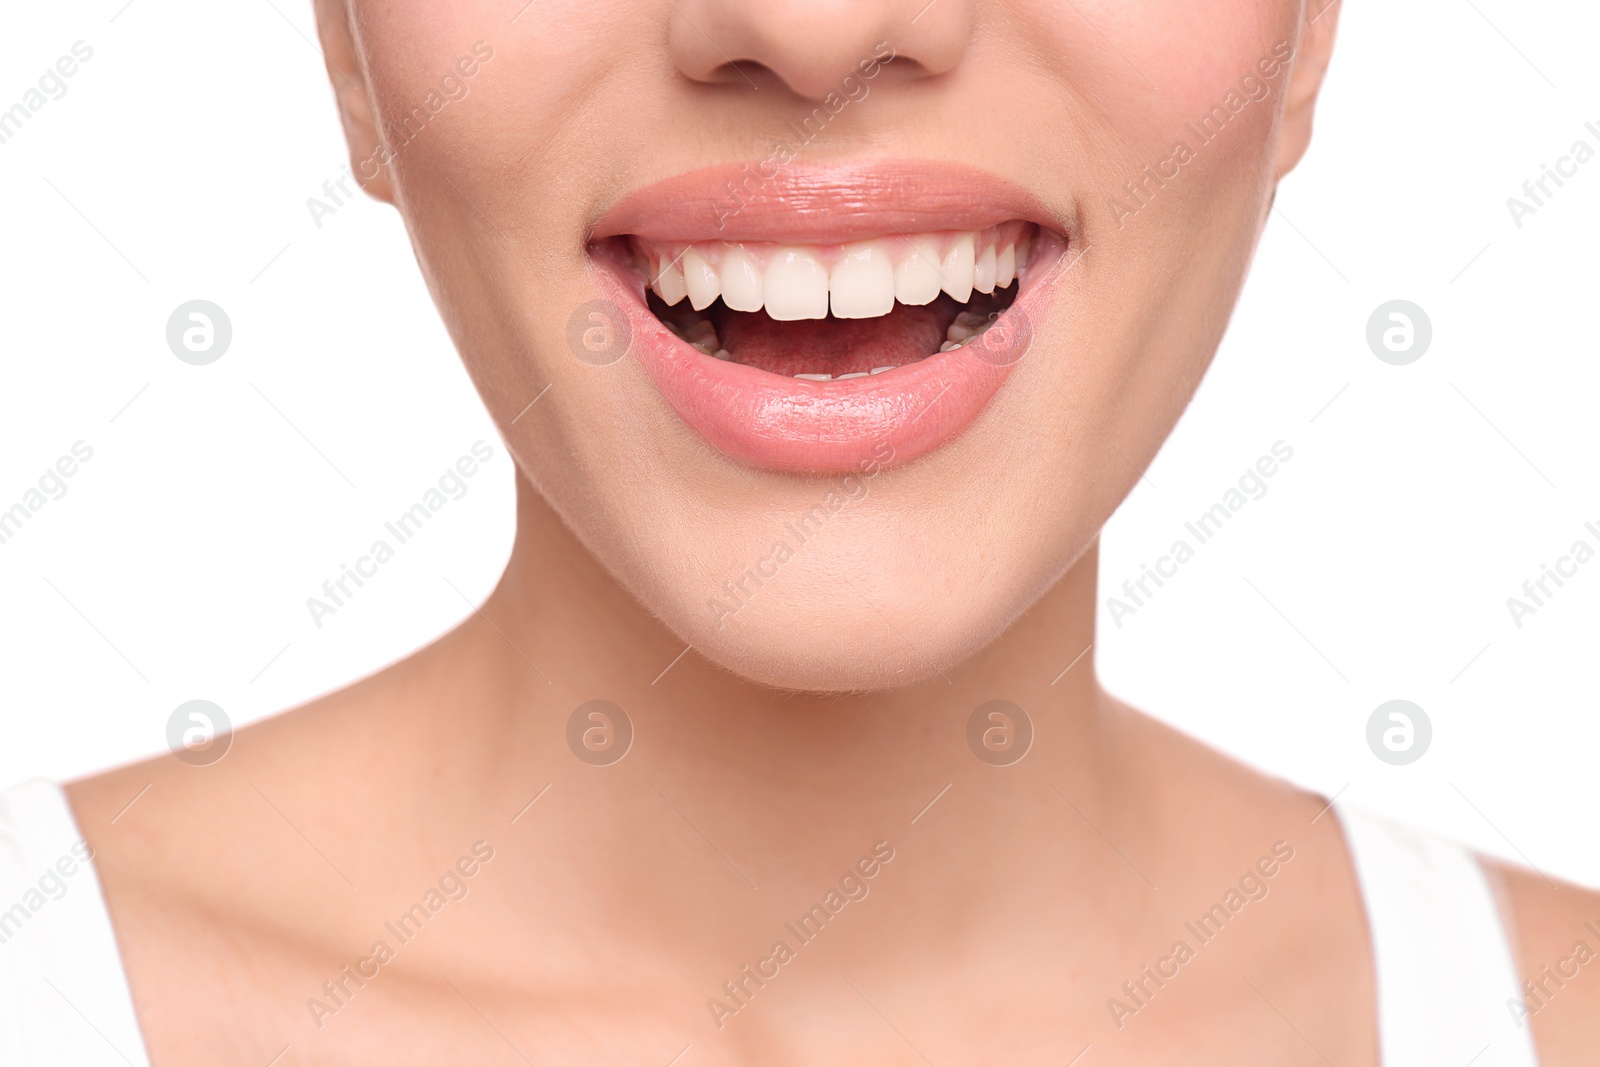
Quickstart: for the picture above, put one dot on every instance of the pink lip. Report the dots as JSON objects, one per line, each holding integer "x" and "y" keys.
{"x": 822, "y": 204}
{"x": 790, "y": 424}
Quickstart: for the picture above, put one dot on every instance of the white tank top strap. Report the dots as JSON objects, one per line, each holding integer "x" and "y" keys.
{"x": 1445, "y": 974}
{"x": 63, "y": 995}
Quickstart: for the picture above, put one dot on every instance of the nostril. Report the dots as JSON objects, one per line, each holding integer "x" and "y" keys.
{"x": 815, "y": 84}
{"x": 810, "y": 50}
{"x": 746, "y": 72}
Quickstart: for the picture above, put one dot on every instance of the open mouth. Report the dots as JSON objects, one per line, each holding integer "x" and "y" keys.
{"x": 834, "y": 312}
{"x": 826, "y": 317}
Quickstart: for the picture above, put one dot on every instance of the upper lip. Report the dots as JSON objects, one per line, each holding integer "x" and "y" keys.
{"x": 821, "y": 203}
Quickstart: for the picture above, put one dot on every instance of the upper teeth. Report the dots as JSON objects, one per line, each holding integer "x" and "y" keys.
{"x": 859, "y": 280}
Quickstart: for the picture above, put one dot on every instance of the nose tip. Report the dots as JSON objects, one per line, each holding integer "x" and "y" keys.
{"x": 812, "y": 46}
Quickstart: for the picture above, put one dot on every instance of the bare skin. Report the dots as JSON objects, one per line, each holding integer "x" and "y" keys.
{"x": 1013, "y": 909}
{"x": 606, "y": 906}
{"x": 605, "y": 920}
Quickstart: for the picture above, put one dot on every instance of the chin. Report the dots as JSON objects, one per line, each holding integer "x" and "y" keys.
{"x": 888, "y": 595}
{"x": 824, "y": 638}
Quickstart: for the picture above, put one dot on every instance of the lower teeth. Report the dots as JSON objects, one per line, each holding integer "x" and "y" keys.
{"x": 701, "y": 335}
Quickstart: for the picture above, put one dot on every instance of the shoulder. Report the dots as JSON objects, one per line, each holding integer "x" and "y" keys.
{"x": 1261, "y": 847}
{"x": 208, "y": 869}
{"x": 1554, "y": 930}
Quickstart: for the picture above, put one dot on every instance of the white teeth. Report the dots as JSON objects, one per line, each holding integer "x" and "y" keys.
{"x": 816, "y": 377}
{"x": 669, "y": 282}
{"x": 916, "y": 279}
{"x": 702, "y": 336}
{"x": 741, "y": 280}
{"x": 858, "y": 280}
{"x": 700, "y": 279}
{"x": 956, "y": 270}
{"x": 983, "y": 271}
{"x": 796, "y": 286}
{"x": 966, "y": 325}
{"x": 1005, "y": 266}
{"x": 862, "y": 283}
{"x": 852, "y": 374}
{"x": 880, "y": 370}
{"x": 699, "y": 334}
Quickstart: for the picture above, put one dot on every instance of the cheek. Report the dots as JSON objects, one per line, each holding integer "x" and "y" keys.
{"x": 1155, "y": 72}
{"x": 459, "y": 90}
{"x": 1182, "y": 53}
{"x": 408, "y": 47}
{"x": 492, "y": 183}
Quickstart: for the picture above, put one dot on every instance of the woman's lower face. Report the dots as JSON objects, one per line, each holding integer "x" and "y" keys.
{"x": 835, "y": 332}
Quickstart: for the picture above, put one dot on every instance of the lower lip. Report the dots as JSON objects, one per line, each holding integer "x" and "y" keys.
{"x": 791, "y": 424}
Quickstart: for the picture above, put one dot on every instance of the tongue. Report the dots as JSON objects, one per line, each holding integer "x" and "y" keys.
{"x": 835, "y": 346}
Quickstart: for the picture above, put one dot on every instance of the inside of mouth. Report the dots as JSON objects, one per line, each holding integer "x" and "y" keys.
{"x": 832, "y": 348}
{"x": 840, "y": 311}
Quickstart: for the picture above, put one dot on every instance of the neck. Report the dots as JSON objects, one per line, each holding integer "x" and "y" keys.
{"x": 783, "y": 784}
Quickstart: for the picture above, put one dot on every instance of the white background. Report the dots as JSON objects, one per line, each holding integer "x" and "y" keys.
{"x": 1377, "y": 566}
